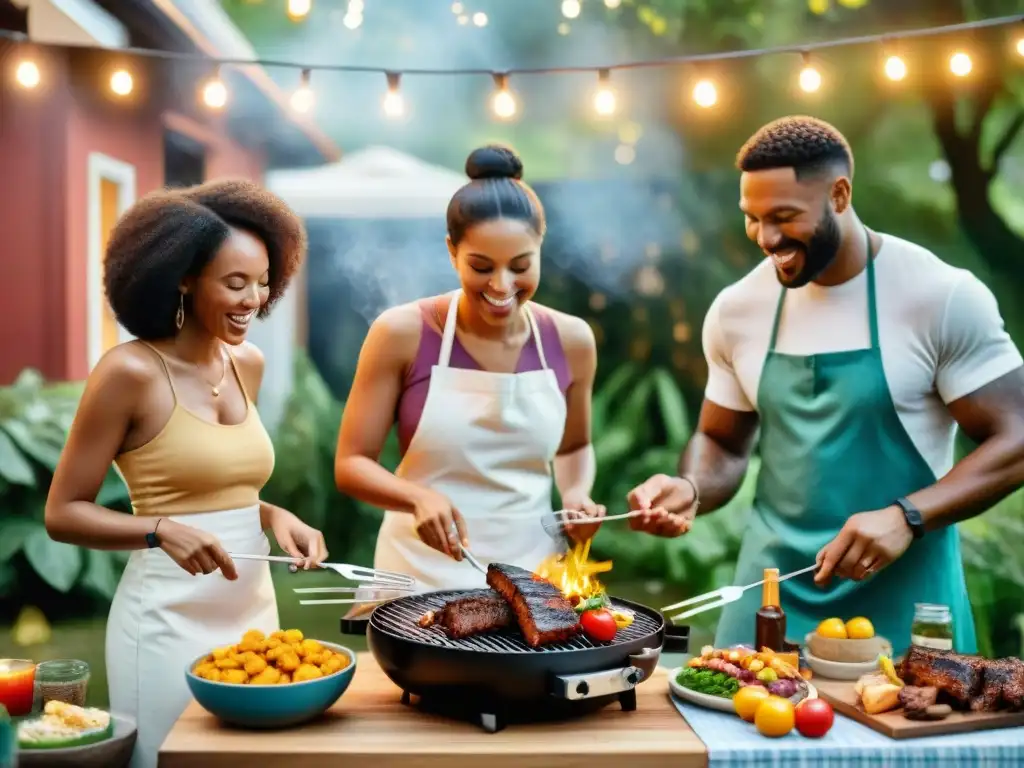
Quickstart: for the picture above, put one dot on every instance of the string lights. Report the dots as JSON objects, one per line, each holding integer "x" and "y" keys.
{"x": 503, "y": 102}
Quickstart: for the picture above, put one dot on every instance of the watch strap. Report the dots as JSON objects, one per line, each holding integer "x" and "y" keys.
{"x": 912, "y": 515}
{"x": 152, "y": 539}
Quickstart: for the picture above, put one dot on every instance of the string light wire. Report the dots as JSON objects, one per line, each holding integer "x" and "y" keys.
{"x": 668, "y": 61}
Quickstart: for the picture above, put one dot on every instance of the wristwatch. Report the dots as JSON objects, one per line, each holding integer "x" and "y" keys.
{"x": 912, "y": 515}
{"x": 152, "y": 540}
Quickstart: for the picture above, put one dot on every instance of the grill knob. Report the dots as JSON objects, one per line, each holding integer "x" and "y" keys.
{"x": 582, "y": 688}
{"x": 631, "y": 676}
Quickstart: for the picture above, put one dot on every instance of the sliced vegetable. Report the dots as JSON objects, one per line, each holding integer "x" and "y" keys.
{"x": 622, "y": 618}
{"x": 599, "y": 625}
{"x": 591, "y": 603}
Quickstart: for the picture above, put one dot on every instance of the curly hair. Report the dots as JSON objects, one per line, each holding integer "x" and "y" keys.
{"x": 172, "y": 234}
{"x": 808, "y": 145}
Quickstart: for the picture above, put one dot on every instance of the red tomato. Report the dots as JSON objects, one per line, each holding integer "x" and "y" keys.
{"x": 599, "y": 625}
{"x": 814, "y": 718}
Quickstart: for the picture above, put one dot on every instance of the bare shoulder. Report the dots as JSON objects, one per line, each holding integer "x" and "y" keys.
{"x": 249, "y": 358}
{"x": 128, "y": 368}
{"x": 397, "y": 330}
{"x": 574, "y": 332}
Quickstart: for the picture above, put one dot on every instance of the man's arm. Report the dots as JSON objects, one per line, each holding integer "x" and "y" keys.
{"x": 980, "y": 378}
{"x": 717, "y": 456}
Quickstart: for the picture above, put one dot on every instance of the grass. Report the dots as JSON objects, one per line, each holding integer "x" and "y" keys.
{"x": 84, "y": 639}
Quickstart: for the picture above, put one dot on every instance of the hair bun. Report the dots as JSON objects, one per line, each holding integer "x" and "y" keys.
{"x": 494, "y": 161}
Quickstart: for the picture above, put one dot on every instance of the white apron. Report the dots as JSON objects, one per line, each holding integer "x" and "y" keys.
{"x": 162, "y": 618}
{"x": 486, "y": 441}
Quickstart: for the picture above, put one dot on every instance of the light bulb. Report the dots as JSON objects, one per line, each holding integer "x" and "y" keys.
{"x": 1020, "y": 46}
{"x": 463, "y": 20}
{"x": 352, "y": 19}
{"x": 960, "y": 64}
{"x": 298, "y": 9}
{"x": 480, "y": 19}
{"x": 503, "y": 104}
{"x": 121, "y": 82}
{"x": 705, "y": 94}
{"x": 303, "y": 99}
{"x": 810, "y": 79}
{"x": 604, "y": 97}
{"x": 612, "y": 3}
{"x": 895, "y": 68}
{"x": 458, "y": 8}
{"x": 570, "y": 8}
{"x": 215, "y": 93}
{"x": 394, "y": 102}
{"x": 27, "y": 74}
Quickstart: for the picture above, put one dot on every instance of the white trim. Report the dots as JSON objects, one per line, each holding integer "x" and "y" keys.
{"x": 74, "y": 22}
{"x": 100, "y": 167}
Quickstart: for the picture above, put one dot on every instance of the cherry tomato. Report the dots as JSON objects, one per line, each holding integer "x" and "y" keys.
{"x": 599, "y": 625}
{"x": 814, "y": 718}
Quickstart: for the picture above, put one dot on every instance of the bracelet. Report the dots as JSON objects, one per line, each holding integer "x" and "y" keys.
{"x": 696, "y": 493}
{"x": 152, "y": 541}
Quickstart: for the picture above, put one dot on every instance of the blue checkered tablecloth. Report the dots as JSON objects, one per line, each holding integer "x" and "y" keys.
{"x": 733, "y": 743}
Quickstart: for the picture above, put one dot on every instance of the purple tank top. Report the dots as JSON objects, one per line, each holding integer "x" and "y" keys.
{"x": 417, "y": 378}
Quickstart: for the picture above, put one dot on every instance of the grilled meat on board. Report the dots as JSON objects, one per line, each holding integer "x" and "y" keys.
{"x": 543, "y": 613}
{"x": 984, "y": 685}
{"x": 476, "y": 612}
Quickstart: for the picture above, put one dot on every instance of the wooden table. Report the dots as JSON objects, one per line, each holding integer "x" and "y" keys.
{"x": 369, "y": 723}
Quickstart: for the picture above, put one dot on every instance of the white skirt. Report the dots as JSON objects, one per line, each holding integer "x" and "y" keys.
{"x": 162, "y": 618}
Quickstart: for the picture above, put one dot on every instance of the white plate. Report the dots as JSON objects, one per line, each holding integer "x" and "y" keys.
{"x": 840, "y": 670}
{"x": 712, "y": 702}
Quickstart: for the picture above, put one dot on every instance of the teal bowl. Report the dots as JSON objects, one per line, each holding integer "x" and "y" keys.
{"x": 271, "y": 706}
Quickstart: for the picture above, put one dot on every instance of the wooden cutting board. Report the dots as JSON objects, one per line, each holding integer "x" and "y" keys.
{"x": 843, "y": 698}
{"x": 370, "y": 726}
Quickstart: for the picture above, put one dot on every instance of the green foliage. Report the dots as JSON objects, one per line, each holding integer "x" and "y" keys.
{"x": 34, "y": 420}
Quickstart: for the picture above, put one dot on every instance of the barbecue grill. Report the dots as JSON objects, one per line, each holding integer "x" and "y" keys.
{"x": 496, "y": 678}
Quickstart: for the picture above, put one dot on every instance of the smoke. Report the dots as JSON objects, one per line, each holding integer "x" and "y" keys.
{"x": 615, "y": 190}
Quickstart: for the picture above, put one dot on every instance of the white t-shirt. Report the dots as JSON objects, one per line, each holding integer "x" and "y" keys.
{"x": 940, "y": 332}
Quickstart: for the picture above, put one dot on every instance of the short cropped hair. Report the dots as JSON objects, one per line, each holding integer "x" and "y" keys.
{"x": 172, "y": 234}
{"x": 811, "y": 147}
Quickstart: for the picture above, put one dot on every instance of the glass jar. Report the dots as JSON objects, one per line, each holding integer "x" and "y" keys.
{"x": 64, "y": 680}
{"x": 932, "y": 627}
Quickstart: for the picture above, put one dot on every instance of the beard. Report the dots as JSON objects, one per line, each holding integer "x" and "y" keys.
{"x": 819, "y": 252}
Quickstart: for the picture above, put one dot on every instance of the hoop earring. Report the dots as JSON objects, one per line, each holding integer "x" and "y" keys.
{"x": 179, "y": 316}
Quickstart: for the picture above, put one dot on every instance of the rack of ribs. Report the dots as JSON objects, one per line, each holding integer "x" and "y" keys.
{"x": 985, "y": 685}
{"x": 1002, "y": 686}
{"x": 543, "y": 613}
{"x": 476, "y": 612}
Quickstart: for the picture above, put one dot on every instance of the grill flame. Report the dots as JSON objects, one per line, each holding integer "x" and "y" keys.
{"x": 574, "y": 573}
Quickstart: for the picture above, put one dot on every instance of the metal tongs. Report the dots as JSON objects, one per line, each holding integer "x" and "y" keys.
{"x": 555, "y": 525}
{"x": 372, "y": 582}
{"x": 726, "y": 595}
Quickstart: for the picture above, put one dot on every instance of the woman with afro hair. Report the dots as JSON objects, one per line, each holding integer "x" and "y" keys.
{"x": 186, "y": 271}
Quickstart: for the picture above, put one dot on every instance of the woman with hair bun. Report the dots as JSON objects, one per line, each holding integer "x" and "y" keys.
{"x": 491, "y": 394}
{"x": 185, "y": 272}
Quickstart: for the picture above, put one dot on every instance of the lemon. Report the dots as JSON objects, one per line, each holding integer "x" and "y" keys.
{"x": 834, "y": 629}
{"x": 886, "y": 665}
{"x": 859, "y": 629}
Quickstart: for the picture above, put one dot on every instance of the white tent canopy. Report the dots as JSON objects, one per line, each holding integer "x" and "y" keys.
{"x": 373, "y": 183}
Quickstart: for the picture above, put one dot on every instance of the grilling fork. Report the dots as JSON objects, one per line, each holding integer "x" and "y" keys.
{"x": 725, "y": 596}
{"x": 374, "y": 578}
{"x": 554, "y": 525}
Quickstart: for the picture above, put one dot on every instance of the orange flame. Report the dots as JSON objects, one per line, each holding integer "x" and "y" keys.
{"x": 574, "y": 573}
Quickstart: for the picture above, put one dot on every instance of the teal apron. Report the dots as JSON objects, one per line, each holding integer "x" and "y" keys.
{"x": 832, "y": 445}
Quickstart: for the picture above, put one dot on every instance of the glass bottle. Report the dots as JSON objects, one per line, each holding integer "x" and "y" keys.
{"x": 770, "y": 626}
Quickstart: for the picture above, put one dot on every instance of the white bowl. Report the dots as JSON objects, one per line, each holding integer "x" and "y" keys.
{"x": 839, "y": 670}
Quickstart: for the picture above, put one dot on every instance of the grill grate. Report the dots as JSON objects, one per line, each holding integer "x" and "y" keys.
{"x": 399, "y": 618}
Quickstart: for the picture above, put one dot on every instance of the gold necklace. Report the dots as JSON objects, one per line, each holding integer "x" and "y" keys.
{"x": 215, "y": 388}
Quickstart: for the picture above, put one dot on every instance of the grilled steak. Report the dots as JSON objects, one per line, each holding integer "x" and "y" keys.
{"x": 543, "y": 613}
{"x": 1002, "y": 686}
{"x": 957, "y": 676}
{"x": 476, "y": 612}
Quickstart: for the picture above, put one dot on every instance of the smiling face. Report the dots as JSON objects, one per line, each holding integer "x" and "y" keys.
{"x": 498, "y": 263}
{"x": 232, "y": 287}
{"x": 795, "y": 223}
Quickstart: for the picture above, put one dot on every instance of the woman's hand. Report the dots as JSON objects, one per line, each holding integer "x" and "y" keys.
{"x": 298, "y": 539}
{"x": 669, "y": 506}
{"x": 582, "y": 516}
{"x": 194, "y": 550}
{"x": 439, "y": 524}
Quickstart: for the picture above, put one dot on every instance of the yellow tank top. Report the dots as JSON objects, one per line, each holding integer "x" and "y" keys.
{"x": 193, "y": 465}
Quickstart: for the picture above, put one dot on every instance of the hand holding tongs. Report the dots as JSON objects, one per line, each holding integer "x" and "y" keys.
{"x": 725, "y": 594}
{"x": 372, "y": 581}
{"x": 465, "y": 551}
